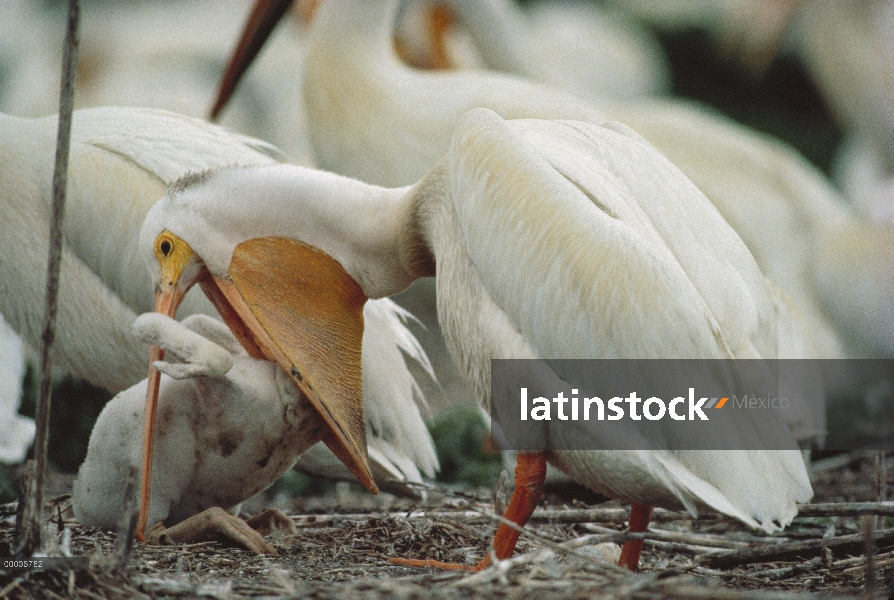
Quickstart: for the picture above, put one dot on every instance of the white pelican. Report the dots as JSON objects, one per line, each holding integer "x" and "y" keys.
{"x": 31, "y": 55}
{"x": 848, "y": 49}
{"x": 753, "y": 30}
{"x": 375, "y": 119}
{"x": 586, "y": 49}
{"x": 167, "y": 55}
{"x": 121, "y": 162}
{"x": 863, "y": 173}
{"x": 551, "y": 239}
{"x": 230, "y": 426}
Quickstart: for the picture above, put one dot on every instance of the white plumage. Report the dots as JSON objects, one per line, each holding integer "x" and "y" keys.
{"x": 848, "y": 50}
{"x": 122, "y": 160}
{"x": 581, "y": 47}
{"x": 751, "y": 29}
{"x": 169, "y": 55}
{"x": 16, "y": 431}
{"x": 373, "y": 118}
{"x": 551, "y": 239}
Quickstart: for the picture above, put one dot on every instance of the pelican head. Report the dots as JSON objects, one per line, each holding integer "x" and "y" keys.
{"x": 177, "y": 269}
{"x": 283, "y": 298}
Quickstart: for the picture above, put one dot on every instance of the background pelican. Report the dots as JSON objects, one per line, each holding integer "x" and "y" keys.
{"x": 848, "y": 51}
{"x": 582, "y": 47}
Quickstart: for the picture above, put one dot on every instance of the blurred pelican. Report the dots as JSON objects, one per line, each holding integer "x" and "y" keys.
{"x": 580, "y": 47}
{"x": 848, "y": 49}
{"x": 751, "y": 30}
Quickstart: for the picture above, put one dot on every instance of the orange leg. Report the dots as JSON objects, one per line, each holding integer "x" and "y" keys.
{"x": 530, "y": 472}
{"x": 639, "y": 522}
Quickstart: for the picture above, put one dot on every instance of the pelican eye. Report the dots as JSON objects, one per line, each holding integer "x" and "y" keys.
{"x": 165, "y": 248}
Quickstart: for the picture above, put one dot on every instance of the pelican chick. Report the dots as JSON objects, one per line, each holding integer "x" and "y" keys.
{"x": 229, "y": 427}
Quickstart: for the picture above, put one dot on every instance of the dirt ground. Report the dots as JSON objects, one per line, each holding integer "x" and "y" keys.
{"x": 343, "y": 541}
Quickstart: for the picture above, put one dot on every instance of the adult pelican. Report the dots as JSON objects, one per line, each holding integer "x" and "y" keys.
{"x": 752, "y": 30}
{"x": 122, "y": 160}
{"x": 848, "y": 52}
{"x": 373, "y": 118}
{"x": 547, "y": 239}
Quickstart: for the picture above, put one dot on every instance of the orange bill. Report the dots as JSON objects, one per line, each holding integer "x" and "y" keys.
{"x": 165, "y": 304}
{"x": 297, "y": 306}
{"x": 263, "y": 18}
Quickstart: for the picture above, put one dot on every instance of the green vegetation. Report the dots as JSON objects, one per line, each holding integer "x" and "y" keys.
{"x": 8, "y": 491}
{"x": 460, "y": 436}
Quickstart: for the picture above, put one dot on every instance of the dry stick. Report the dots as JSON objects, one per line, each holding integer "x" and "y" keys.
{"x": 861, "y": 569}
{"x": 853, "y": 544}
{"x": 29, "y": 535}
{"x": 860, "y": 561}
{"x": 535, "y": 556}
{"x": 869, "y": 552}
{"x": 13, "y": 585}
{"x": 846, "y": 509}
{"x": 832, "y": 463}
{"x": 665, "y": 540}
{"x": 673, "y": 588}
{"x": 557, "y": 547}
{"x": 781, "y": 573}
{"x": 881, "y": 483}
{"x": 699, "y": 541}
{"x": 567, "y": 516}
{"x": 588, "y": 515}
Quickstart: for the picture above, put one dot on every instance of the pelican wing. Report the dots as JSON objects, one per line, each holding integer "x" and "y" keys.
{"x": 606, "y": 236}
{"x": 615, "y": 254}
